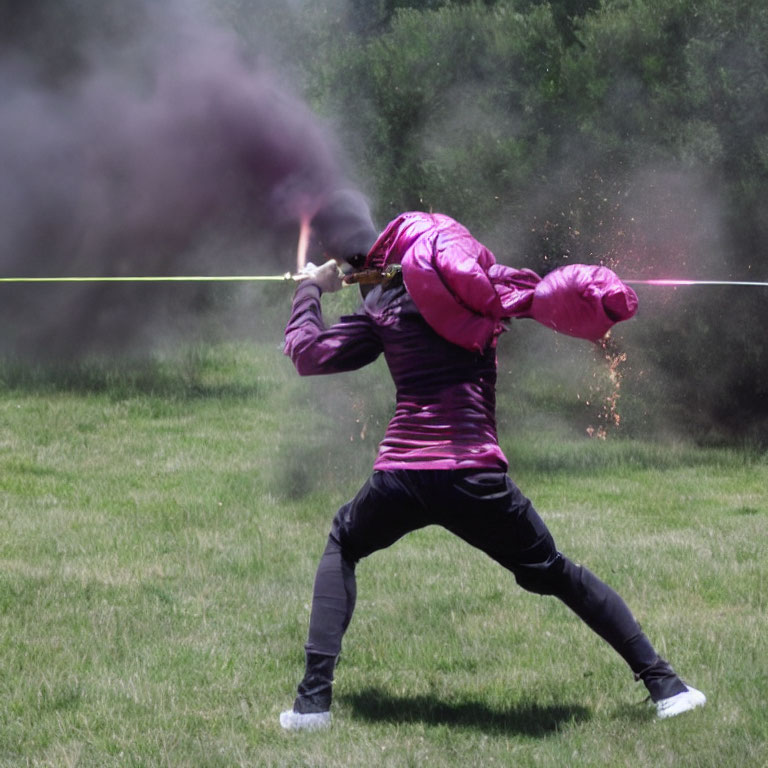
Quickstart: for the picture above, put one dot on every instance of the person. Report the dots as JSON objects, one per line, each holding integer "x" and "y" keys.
{"x": 437, "y": 321}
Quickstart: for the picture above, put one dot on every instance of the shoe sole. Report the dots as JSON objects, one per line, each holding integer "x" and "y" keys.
{"x": 314, "y": 721}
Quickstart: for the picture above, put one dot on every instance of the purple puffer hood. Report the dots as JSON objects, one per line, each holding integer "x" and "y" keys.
{"x": 465, "y": 295}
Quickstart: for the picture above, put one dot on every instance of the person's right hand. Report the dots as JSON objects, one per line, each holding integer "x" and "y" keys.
{"x": 327, "y": 276}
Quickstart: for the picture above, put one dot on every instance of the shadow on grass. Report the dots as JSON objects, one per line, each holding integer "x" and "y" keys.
{"x": 528, "y": 718}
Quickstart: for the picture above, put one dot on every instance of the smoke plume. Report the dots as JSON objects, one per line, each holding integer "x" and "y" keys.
{"x": 147, "y": 144}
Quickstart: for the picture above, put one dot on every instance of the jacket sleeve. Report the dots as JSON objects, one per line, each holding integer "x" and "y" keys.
{"x": 314, "y": 349}
{"x": 582, "y": 300}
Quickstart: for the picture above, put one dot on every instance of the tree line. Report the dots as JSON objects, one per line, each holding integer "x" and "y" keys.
{"x": 632, "y": 133}
{"x": 628, "y": 132}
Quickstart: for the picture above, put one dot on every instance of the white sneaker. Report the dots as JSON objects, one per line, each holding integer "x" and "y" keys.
{"x": 313, "y": 721}
{"x": 681, "y": 702}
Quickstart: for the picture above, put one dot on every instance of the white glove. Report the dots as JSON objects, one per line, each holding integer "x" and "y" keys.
{"x": 327, "y": 276}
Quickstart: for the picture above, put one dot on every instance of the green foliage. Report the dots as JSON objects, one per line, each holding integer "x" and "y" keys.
{"x": 626, "y": 133}
{"x": 442, "y": 99}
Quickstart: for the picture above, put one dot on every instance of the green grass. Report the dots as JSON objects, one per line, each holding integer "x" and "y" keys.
{"x": 159, "y": 527}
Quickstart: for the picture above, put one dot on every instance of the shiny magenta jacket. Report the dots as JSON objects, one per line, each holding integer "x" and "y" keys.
{"x": 437, "y": 328}
{"x": 446, "y": 396}
{"x": 465, "y": 295}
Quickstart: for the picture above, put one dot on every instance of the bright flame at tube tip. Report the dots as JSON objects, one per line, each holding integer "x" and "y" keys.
{"x": 301, "y": 250}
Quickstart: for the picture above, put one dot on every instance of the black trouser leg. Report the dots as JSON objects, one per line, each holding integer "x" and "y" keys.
{"x": 379, "y": 515}
{"x": 487, "y": 510}
{"x": 316, "y": 688}
{"x": 505, "y": 526}
{"x": 333, "y": 602}
{"x": 603, "y": 610}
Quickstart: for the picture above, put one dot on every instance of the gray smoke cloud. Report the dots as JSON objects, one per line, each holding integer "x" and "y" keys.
{"x": 147, "y": 143}
{"x": 662, "y": 214}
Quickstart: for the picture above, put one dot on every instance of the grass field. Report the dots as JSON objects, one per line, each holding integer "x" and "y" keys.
{"x": 159, "y": 528}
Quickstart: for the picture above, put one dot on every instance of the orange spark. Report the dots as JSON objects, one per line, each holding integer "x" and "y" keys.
{"x": 612, "y": 374}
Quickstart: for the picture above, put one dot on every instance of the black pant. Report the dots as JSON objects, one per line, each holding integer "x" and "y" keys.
{"x": 488, "y": 511}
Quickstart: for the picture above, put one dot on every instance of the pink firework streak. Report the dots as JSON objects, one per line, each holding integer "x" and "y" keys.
{"x": 675, "y": 283}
